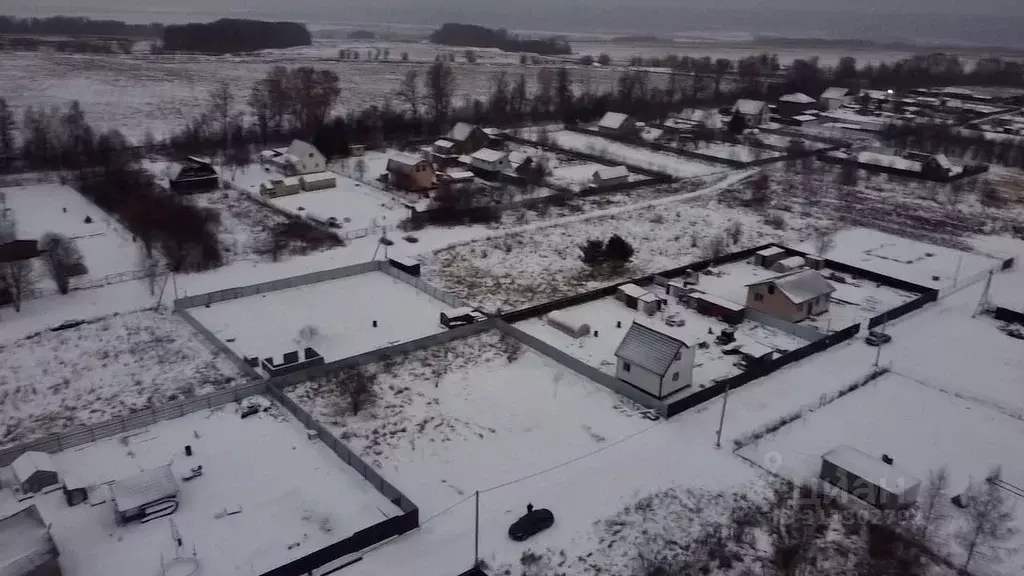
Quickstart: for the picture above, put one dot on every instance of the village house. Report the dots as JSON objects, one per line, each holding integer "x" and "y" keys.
{"x": 300, "y": 158}
{"x": 193, "y": 176}
{"x": 467, "y": 138}
{"x": 617, "y": 124}
{"x": 653, "y": 361}
{"x": 488, "y": 163}
{"x": 795, "y": 104}
{"x": 411, "y": 173}
{"x": 34, "y": 472}
{"x": 609, "y": 176}
{"x": 443, "y": 152}
{"x": 834, "y": 98}
{"x": 754, "y": 112}
{"x": 794, "y": 296}
{"x": 278, "y": 187}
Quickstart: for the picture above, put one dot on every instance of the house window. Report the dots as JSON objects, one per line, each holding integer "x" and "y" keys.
{"x": 771, "y": 288}
{"x": 310, "y": 154}
{"x": 758, "y": 297}
{"x": 625, "y": 366}
{"x": 675, "y": 376}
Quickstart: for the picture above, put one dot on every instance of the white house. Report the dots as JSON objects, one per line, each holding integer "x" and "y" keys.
{"x": 653, "y": 361}
{"x": 300, "y": 158}
{"x": 754, "y": 112}
{"x": 610, "y": 176}
{"x": 834, "y": 98}
{"x": 616, "y": 123}
{"x": 490, "y": 160}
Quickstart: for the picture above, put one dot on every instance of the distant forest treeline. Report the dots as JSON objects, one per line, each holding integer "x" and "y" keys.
{"x": 235, "y": 35}
{"x": 454, "y": 34}
{"x": 75, "y": 26}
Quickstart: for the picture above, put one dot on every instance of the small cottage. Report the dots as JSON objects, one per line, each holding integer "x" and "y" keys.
{"x": 487, "y": 162}
{"x": 410, "y": 173}
{"x": 136, "y": 497}
{"x": 868, "y": 478}
{"x": 616, "y": 124}
{"x": 610, "y": 176}
{"x": 278, "y": 187}
{"x": 834, "y": 98}
{"x": 300, "y": 158}
{"x": 795, "y": 104}
{"x": 793, "y": 297}
{"x": 319, "y": 181}
{"x": 638, "y": 298}
{"x": 655, "y": 362}
{"x": 34, "y": 472}
{"x": 769, "y": 256}
{"x": 193, "y": 176}
{"x": 754, "y": 112}
{"x": 789, "y": 264}
{"x": 467, "y": 138}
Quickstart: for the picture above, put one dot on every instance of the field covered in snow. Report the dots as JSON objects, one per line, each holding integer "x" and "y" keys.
{"x": 355, "y": 205}
{"x": 334, "y": 317}
{"x": 267, "y": 495}
{"x": 111, "y": 367}
{"x": 613, "y": 151}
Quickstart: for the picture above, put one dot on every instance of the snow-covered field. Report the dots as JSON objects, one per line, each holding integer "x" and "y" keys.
{"x": 852, "y": 302}
{"x": 107, "y": 248}
{"x": 615, "y": 151}
{"x": 612, "y": 319}
{"x": 334, "y": 317}
{"x": 469, "y": 415}
{"x": 112, "y": 367}
{"x": 355, "y": 205}
{"x": 293, "y": 496}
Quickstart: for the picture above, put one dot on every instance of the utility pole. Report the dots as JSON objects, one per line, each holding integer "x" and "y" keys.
{"x": 476, "y": 533}
{"x": 721, "y": 419}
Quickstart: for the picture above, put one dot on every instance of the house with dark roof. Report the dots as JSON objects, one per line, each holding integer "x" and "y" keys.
{"x": 467, "y": 138}
{"x": 616, "y": 124}
{"x": 793, "y": 296}
{"x": 754, "y": 112}
{"x": 655, "y": 362}
{"x": 193, "y": 176}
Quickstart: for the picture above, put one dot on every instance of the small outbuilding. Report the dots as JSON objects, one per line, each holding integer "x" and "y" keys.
{"x": 610, "y": 176}
{"x": 754, "y": 112}
{"x": 834, "y": 98}
{"x": 568, "y": 324}
{"x": 870, "y": 479}
{"x": 769, "y": 256}
{"x": 639, "y": 298}
{"x": 711, "y": 305}
{"x": 26, "y": 547}
{"x": 489, "y": 162}
{"x": 277, "y": 187}
{"x": 616, "y": 124}
{"x": 34, "y": 472}
{"x": 407, "y": 265}
{"x": 410, "y": 173}
{"x": 141, "y": 495}
{"x": 796, "y": 104}
{"x": 467, "y": 138}
{"x": 193, "y": 176}
{"x": 793, "y": 297}
{"x": 655, "y": 362}
{"x": 789, "y": 264}
{"x": 318, "y": 181}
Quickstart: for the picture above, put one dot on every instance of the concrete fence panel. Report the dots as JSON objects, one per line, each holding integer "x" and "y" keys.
{"x": 803, "y": 332}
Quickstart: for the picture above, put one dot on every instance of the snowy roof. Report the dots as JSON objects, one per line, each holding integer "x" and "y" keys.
{"x": 745, "y": 106}
{"x": 318, "y": 177}
{"x": 632, "y": 290}
{"x": 649, "y": 297}
{"x": 613, "y": 120}
{"x": 284, "y": 158}
{"x": 771, "y": 251}
{"x": 461, "y": 131}
{"x": 755, "y": 350}
{"x": 649, "y": 349}
{"x": 403, "y": 162}
{"x": 144, "y": 488}
{"x": 805, "y": 118}
{"x": 800, "y": 286}
{"x": 29, "y": 463}
{"x": 456, "y": 312}
{"x": 943, "y": 161}
{"x": 518, "y": 157}
{"x": 301, "y": 149}
{"x": 877, "y": 94}
{"x": 25, "y": 543}
{"x": 792, "y": 262}
{"x": 442, "y": 143}
{"x": 461, "y": 175}
{"x": 835, "y": 93}
{"x": 466, "y": 159}
{"x": 611, "y": 173}
{"x": 712, "y": 299}
{"x": 268, "y": 154}
{"x": 279, "y": 150}
{"x": 492, "y": 131}
{"x": 872, "y": 469}
{"x": 797, "y": 98}
{"x": 489, "y": 155}
{"x": 291, "y": 181}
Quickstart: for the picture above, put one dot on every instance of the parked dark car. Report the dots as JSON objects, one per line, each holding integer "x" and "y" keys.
{"x": 876, "y": 338}
{"x": 534, "y": 521}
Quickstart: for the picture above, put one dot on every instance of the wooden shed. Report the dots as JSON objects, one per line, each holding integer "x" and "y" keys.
{"x": 868, "y": 478}
{"x": 34, "y": 472}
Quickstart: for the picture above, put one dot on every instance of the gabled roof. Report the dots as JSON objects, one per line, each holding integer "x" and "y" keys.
{"x": 302, "y": 149}
{"x": 800, "y": 286}
{"x": 462, "y": 131}
{"x": 745, "y": 106}
{"x": 403, "y": 162}
{"x": 25, "y": 542}
{"x": 611, "y": 173}
{"x": 488, "y": 155}
{"x": 649, "y": 349}
{"x": 442, "y": 143}
{"x": 613, "y": 120}
{"x": 942, "y": 161}
{"x": 143, "y": 488}
{"x": 518, "y": 157}
{"x": 797, "y": 98}
{"x": 835, "y": 93}
{"x": 29, "y": 463}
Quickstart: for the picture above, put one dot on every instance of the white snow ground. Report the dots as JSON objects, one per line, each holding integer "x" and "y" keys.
{"x": 612, "y": 319}
{"x": 294, "y": 494}
{"x": 112, "y": 367}
{"x": 355, "y": 205}
{"x": 342, "y": 312}
{"x": 737, "y": 152}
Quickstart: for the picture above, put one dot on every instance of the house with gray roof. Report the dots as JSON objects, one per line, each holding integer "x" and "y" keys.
{"x": 793, "y": 296}
{"x": 754, "y": 112}
{"x": 616, "y": 124}
{"x": 653, "y": 361}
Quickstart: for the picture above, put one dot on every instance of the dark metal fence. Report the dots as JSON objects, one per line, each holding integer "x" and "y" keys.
{"x": 1009, "y": 315}
{"x": 904, "y": 309}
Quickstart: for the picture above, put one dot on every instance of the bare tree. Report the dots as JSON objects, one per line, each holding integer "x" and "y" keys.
{"x": 440, "y": 90}
{"x": 260, "y": 103}
{"x": 315, "y": 93}
{"x": 221, "y": 101}
{"x": 62, "y": 257}
{"x": 990, "y": 520}
{"x": 517, "y": 100}
{"x": 932, "y": 505}
{"x": 7, "y": 126}
{"x": 21, "y": 279}
{"x": 824, "y": 241}
{"x": 409, "y": 92}
{"x": 360, "y": 168}
{"x": 357, "y": 387}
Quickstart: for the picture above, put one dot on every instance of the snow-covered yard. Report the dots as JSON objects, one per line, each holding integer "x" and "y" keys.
{"x": 353, "y": 204}
{"x": 615, "y": 151}
{"x": 334, "y": 317}
{"x": 611, "y": 319}
{"x": 120, "y": 364}
{"x": 267, "y": 495}
{"x": 107, "y": 248}
{"x": 737, "y": 152}
{"x": 854, "y": 301}
{"x": 471, "y": 414}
